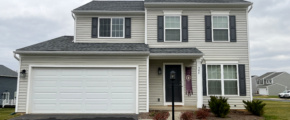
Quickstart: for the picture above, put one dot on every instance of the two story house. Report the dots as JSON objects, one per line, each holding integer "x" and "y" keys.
{"x": 273, "y": 83}
{"x": 122, "y": 52}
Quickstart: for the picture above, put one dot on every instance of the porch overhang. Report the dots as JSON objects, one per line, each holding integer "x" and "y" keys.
{"x": 175, "y": 53}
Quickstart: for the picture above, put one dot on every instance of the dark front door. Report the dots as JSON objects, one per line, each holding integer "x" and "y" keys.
{"x": 177, "y": 83}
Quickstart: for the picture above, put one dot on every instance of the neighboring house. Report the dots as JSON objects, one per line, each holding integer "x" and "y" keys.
{"x": 273, "y": 83}
{"x": 122, "y": 53}
{"x": 254, "y": 84}
{"x": 8, "y": 84}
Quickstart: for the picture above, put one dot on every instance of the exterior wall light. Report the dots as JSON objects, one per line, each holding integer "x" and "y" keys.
{"x": 159, "y": 71}
{"x": 172, "y": 75}
{"x": 23, "y": 73}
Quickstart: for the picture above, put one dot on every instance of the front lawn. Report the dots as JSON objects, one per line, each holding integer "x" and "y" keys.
{"x": 276, "y": 110}
{"x": 5, "y": 113}
{"x": 265, "y": 96}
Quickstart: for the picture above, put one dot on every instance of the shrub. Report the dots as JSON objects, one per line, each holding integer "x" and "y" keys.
{"x": 152, "y": 113}
{"x": 202, "y": 113}
{"x": 255, "y": 107}
{"x": 161, "y": 115}
{"x": 188, "y": 115}
{"x": 219, "y": 106}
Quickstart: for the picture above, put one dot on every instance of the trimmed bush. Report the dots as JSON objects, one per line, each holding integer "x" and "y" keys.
{"x": 161, "y": 115}
{"x": 188, "y": 115}
{"x": 255, "y": 107}
{"x": 219, "y": 106}
{"x": 202, "y": 113}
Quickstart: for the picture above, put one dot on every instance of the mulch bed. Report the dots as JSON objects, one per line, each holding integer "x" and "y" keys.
{"x": 233, "y": 115}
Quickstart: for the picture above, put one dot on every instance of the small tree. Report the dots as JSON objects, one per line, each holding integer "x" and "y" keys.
{"x": 255, "y": 107}
{"x": 219, "y": 106}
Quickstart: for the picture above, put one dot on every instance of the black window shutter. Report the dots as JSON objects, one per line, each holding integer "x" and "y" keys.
{"x": 95, "y": 27}
{"x": 204, "y": 80}
{"x": 242, "y": 80}
{"x": 208, "y": 35}
{"x": 127, "y": 27}
{"x": 233, "y": 30}
{"x": 184, "y": 29}
{"x": 160, "y": 29}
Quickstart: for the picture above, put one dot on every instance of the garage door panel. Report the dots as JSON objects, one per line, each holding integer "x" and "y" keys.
{"x": 80, "y": 90}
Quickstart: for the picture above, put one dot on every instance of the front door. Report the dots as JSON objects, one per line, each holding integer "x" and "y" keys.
{"x": 177, "y": 83}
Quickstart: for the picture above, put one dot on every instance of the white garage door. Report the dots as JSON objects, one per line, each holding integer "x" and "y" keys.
{"x": 83, "y": 90}
{"x": 263, "y": 91}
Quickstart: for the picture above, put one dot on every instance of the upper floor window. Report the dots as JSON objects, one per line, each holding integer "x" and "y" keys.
{"x": 172, "y": 29}
{"x": 220, "y": 28}
{"x": 111, "y": 28}
{"x": 222, "y": 79}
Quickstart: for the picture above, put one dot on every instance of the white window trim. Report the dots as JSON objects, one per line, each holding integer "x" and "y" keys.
{"x": 111, "y": 27}
{"x": 6, "y": 94}
{"x": 222, "y": 80}
{"x": 212, "y": 29}
{"x": 164, "y": 24}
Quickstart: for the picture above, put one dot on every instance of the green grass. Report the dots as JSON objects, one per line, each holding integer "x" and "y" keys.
{"x": 5, "y": 113}
{"x": 265, "y": 96}
{"x": 276, "y": 110}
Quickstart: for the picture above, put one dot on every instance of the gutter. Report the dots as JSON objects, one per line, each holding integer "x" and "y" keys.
{"x": 16, "y": 57}
{"x": 85, "y": 52}
{"x": 192, "y": 3}
{"x": 100, "y": 11}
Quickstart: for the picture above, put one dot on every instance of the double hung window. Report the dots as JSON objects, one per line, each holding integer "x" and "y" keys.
{"x": 220, "y": 28}
{"x": 222, "y": 79}
{"x": 111, "y": 27}
{"x": 172, "y": 29}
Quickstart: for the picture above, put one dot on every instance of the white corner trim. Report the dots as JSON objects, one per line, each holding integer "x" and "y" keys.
{"x": 147, "y": 107}
{"x": 220, "y": 12}
{"x": 146, "y": 26}
{"x": 172, "y": 12}
{"x": 18, "y": 83}
{"x": 222, "y": 62}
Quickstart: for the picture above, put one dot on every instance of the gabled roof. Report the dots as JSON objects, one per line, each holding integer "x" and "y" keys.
{"x": 199, "y": 1}
{"x": 273, "y": 75}
{"x": 6, "y": 72}
{"x": 113, "y": 6}
{"x": 265, "y": 75}
{"x": 65, "y": 43}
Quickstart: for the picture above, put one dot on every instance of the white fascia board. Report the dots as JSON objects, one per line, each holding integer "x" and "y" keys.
{"x": 100, "y": 11}
{"x": 177, "y": 54}
{"x": 86, "y": 52}
{"x": 194, "y": 3}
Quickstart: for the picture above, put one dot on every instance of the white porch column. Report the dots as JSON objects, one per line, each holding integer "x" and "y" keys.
{"x": 199, "y": 83}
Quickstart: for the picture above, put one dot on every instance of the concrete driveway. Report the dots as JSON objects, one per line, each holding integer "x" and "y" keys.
{"x": 77, "y": 117}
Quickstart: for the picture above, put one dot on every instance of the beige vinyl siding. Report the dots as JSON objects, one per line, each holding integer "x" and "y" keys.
{"x": 156, "y": 82}
{"x": 141, "y": 61}
{"x": 283, "y": 79}
{"x": 84, "y": 29}
{"x": 213, "y": 51}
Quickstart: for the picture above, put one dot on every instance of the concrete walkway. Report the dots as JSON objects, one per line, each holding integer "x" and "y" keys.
{"x": 273, "y": 99}
{"x": 77, "y": 117}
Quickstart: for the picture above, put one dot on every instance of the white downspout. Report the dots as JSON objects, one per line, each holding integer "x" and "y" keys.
{"x": 18, "y": 82}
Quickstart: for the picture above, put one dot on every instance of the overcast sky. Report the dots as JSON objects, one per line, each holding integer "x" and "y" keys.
{"x": 26, "y": 22}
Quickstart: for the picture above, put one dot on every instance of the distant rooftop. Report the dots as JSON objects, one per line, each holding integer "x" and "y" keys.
{"x": 6, "y": 72}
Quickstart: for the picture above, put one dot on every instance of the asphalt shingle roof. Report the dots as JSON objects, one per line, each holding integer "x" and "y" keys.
{"x": 265, "y": 75}
{"x": 65, "y": 43}
{"x": 174, "y": 50}
{"x": 199, "y": 1}
{"x": 4, "y": 71}
{"x": 273, "y": 75}
{"x": 113, "y": 6}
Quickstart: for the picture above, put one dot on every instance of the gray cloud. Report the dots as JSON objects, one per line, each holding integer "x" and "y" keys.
{"x": 24, "y": 23}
